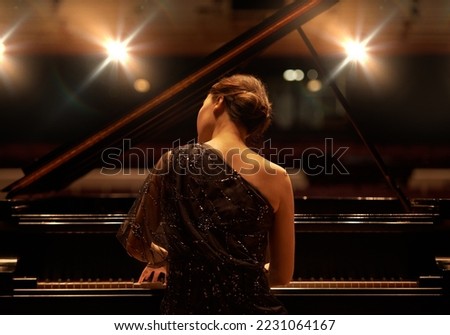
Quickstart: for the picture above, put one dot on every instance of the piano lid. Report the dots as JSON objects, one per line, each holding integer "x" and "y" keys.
{"x": 58, "y": 169}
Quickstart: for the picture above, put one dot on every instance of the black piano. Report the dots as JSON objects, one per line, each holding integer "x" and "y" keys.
{"x": 354, "y": 255}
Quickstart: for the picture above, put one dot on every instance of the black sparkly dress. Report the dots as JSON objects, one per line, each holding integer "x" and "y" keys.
{"x": 212, "y": 226}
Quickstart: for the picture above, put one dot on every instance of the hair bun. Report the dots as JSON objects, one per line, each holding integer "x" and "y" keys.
{"x": 247, "y": 101}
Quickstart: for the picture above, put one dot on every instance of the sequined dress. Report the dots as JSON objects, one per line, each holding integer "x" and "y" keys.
{"x": 214, "y": 226}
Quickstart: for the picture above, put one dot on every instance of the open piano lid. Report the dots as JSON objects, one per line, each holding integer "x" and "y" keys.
{"x": 63, "y": 166}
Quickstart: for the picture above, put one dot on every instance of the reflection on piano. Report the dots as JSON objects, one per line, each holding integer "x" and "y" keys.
{"x": 59, "y": 253}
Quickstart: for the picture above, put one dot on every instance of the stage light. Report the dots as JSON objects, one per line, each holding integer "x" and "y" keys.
{"x": 142, "y": 85}
{"x": 314, "y": 85}
{"x": 293, "y": 75}
{"x": 356, "y": 51}
{"x": 117, "y": 51}
{"x": 299, "y": 75}
{"x": 312, "y": 74}
{"x": 2, "y": 50}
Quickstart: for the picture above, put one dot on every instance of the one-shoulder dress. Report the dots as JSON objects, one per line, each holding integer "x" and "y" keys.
{"x": 210, "y": 226}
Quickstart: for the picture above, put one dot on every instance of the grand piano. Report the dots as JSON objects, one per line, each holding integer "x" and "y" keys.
{"x": 59, "y": 253}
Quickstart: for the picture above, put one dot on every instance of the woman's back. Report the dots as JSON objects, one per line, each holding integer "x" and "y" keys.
{"x": 216, "y": 224}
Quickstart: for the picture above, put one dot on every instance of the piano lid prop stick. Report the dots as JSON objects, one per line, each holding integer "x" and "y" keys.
{"x": 374, "y": 152}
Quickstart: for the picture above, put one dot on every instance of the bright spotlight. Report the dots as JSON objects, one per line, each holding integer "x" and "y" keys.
{"x": 356, "y": 51}
{"x": 117, "y": 51}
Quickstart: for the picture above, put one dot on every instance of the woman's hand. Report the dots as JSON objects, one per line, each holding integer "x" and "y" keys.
{"x": 153, "y": 274}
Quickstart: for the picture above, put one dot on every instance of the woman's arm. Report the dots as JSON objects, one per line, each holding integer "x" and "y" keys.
{"x": 282, "y": 235}
{"x": 140, "y": 232}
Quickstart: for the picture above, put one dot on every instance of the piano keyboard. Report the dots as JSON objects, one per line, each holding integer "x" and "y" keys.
{"x": 326, "y": 296}
{"x": 31, "y": 283}
{"x": 296, "y": 284}
{"x": 345, "y": 284}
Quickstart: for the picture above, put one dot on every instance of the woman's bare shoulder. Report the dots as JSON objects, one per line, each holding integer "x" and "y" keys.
{"x": 273, "y": 169}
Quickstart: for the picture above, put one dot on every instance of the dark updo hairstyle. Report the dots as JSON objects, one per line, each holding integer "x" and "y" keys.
{"x": 247, "y": 103}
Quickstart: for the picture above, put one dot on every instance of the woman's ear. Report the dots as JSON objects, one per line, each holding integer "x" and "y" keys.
{"x": 219, "y": 105}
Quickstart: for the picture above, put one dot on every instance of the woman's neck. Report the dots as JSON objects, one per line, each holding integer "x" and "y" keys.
{"x": 228, "y": 136}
